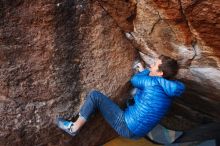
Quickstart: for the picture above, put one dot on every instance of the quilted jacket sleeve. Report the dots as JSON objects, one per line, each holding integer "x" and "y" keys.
{"x": 139, "y": 79}
{"x": 172, "y": 88}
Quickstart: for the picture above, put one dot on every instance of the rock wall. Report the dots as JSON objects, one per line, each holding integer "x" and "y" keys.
{"x": 53, "y": 52}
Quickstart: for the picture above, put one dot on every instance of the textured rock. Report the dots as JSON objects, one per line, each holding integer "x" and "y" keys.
{"x": 51, "y": 54}
{"x": 122, "y": 11}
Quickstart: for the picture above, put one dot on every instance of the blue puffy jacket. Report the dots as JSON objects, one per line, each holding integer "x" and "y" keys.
{"x": 152, "y": 100}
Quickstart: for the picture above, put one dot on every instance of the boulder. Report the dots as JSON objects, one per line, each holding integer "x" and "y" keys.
{"x": 52, "y": 53}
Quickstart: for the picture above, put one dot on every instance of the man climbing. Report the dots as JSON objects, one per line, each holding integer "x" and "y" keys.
{"x": 152, "y": 100}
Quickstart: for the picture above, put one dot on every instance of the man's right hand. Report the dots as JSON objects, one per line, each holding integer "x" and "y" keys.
{"x": 139, "y": 67}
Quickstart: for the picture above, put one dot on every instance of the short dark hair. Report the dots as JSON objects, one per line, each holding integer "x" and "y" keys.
{"x": 169, "y": 67}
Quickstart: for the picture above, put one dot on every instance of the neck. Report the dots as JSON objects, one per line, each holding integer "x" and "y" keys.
{"x": 151, "y": 74}
{"x": 154, "y": 74}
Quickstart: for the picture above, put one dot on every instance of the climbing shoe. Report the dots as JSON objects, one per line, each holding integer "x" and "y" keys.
{"x": 66, "y": 126}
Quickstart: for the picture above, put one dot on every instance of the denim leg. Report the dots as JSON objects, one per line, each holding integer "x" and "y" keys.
{"x": 109, "y": 110}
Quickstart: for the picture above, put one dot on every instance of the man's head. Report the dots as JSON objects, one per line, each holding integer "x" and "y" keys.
{"x": 165, "y": 67}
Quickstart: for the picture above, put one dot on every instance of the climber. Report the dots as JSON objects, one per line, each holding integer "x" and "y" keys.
{"x": 155, "y": 92}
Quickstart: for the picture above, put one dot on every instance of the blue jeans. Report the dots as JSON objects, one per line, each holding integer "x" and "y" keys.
{"x": 109, "y": 110}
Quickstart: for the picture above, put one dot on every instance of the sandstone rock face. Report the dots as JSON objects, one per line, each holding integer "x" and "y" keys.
{"x": 53, "y": 52}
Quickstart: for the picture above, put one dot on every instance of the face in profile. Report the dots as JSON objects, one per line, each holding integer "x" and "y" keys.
{"x": 154, "y": 68}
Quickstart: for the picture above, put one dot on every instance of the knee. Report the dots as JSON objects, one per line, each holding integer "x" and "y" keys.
{"x": 96, "y": 95}
{"x": 93, "y": 92}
